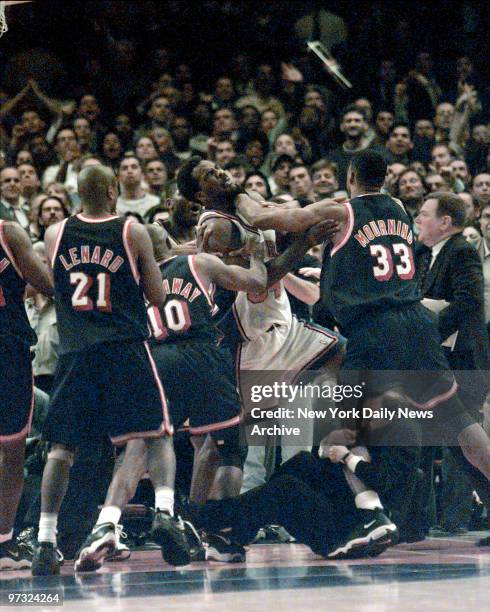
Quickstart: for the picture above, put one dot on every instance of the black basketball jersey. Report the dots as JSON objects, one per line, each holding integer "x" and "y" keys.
{"x": 13, "y": 317}
{"x": 189, "y": 308}
{"x": 372, "y": 266}
{"x": 96, "y": 284}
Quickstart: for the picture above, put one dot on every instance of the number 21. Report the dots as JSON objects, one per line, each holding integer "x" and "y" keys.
{"x": 83, "y": 282}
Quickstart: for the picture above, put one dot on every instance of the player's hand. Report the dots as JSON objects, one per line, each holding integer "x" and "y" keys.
{"x": 335, "y": 453}
{"x": 310, "y": 272}
{"x": 322, "y": 232}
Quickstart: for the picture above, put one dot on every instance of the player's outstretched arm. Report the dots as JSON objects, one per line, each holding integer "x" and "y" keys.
{"x": 283, "y": 263}
{"x": 234, "y": 278}
{"x": 265, "y": 216}
{"x": 33, "y": 270}
{"x": 151, "y": 279}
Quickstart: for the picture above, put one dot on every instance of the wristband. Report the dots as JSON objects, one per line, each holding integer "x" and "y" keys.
{"x": 344, "y": 458}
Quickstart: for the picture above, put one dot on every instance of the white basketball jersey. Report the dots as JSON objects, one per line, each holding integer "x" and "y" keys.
{"x": 254, "y": 313}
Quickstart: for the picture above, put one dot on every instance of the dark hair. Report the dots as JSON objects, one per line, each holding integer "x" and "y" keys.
{"x": 238, "y": 162}
{"x": 128, "y": 155}
{"x": 352, "y": 108}
{"x": 280, "y": 159}
{"x": 449, "y": 204}
{"x": 187, "y": 184}
{"x": 369, "y": 168}
{"x": 300, "y": 165}
{"x": 399, "y": 124}
{"x": 263, "y": 177}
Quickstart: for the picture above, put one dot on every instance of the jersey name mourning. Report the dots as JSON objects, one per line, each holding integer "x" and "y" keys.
{"x": 381, "y": 227}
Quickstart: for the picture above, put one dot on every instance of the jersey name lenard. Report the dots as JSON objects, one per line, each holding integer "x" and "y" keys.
{"x": 92, "y": 254}
{"x": 379, "y": 227}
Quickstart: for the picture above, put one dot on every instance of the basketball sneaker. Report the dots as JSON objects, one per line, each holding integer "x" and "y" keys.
{"x": 196, "y": 545}
{"x": 169, "y": 533}
{"x": 96, "y": 548}
{"x": 122, "y": 551}
{"x": 220, "y": 547}
{"x": 14, "y": 556}
{"x": 45, "y": 561}
{"x": 372, "y": 536}
{"x": 28, "y": 539}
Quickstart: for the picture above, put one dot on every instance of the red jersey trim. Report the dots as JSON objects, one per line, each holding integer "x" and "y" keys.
{"x": 85, "y": 219}
{"x": 57, "y": 241}
{"x": 193, "y": 268}
{"x": 127, "y": 247}
{"x": 7, "y": 249}
{"x": 348, "y": 229}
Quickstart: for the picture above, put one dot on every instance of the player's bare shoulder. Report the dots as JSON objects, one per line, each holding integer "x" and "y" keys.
{"x": 217, "y": 234}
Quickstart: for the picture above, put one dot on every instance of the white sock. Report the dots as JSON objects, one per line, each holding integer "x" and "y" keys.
{"x": 368, "y": 500}
{"x": 47, "y": 527}
{"x": 5, "y": 537}
{"x": 164, "y": 499}
{"x": 109, "y": 514}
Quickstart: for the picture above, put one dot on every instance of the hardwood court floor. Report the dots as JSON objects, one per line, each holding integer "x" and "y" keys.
{"x": 438, "y": 574}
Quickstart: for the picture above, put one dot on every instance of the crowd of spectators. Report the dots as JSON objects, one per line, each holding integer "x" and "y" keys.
{"x": 266, "y": 111}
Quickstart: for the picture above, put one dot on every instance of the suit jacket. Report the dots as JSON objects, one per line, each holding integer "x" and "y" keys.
{"x": 7, "y": 214}
{"x": 457, "y": 277}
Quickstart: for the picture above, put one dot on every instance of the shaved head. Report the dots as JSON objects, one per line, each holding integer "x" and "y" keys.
{"x": 94, "y": 183}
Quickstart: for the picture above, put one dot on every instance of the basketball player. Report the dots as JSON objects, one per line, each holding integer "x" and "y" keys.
{"x": 185, "y": 342}
{"x": 369, "y": 286}
{"x": 106, "y": 381}
{"x": 271, "y": 338}
{"x": 19, "y": 265}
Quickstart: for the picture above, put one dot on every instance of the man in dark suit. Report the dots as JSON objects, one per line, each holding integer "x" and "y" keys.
{"x": 452, "y": 286}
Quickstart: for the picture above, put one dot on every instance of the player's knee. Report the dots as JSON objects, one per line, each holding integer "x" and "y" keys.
{"x": 60, "y": 453}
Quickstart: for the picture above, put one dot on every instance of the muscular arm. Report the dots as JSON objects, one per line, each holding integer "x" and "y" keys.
{"x": 34, "y": 271}
{"x": 266, "y": 216}
{"x": 151, "y": 279}
{"x": 234, "y": 278}
{"x": 303, "y": 290}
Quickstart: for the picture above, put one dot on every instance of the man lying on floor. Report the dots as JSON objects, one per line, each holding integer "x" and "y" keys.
{"x": 337, "y": 504}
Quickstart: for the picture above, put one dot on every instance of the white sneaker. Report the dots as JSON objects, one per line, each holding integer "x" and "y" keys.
{"x": 121, "y": 552}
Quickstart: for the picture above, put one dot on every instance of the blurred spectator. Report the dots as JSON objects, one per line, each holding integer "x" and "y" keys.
{"x": 279, "y": 180}
{"x": 133, "y": 199}
{"x": 484, "y": 252}
{"x": 301, "y": 185}
{"x": 12, "y": 208}
{"x": 157, "y": 177}
{"x": 324, "y": 178}
{"x": 354, "y": 127}
{"x": 68, "y": 151}
{"x": 29, "y": 180}
{"x": 256, "y": 181}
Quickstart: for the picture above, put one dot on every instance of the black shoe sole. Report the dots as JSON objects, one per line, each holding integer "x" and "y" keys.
{"x": 46, "y": 567}
{"x": 173, "y": 552}
{"x": 93, "y": 561}
{"x": 372, "y": 548}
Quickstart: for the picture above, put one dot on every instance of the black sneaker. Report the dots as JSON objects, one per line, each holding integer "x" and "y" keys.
{"x": 374, "y": 534}
{"x": 197, "y": 548}
{"x": 169, "y": 533}
{"x": 97, "y": 547}
{"x": 14, "y": 557}
{"x": 221, "y": 548}
{"x": 27, "y": 538}
{"x": 45, "y": 561}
